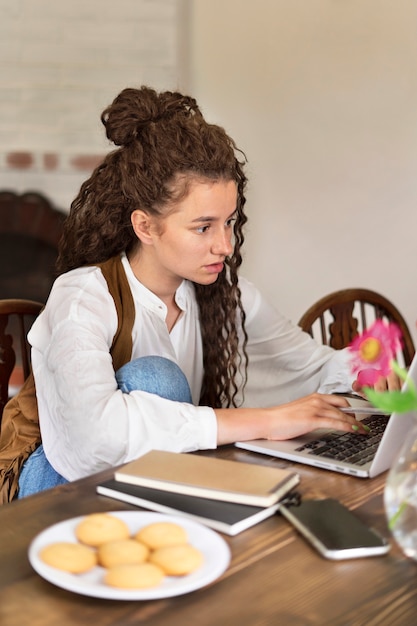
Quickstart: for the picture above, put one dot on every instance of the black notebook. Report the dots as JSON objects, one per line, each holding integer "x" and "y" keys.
{"x": 227, "y": 517}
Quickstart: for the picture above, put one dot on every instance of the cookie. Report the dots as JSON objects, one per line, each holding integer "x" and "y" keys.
{"x": 160, "y": 534}
{"x": 70, "y": 557}
{"x": 122, "y": 552}
{"x": 134, "y": 576}
{"x": 99, "y": 528}
{"x": 177, "y": 560}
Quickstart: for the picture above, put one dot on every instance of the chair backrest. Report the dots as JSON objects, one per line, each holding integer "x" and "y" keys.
{"x": 16, "y": 318}
{"x": 337, "y": 318}
{"x": 30, "y": 231}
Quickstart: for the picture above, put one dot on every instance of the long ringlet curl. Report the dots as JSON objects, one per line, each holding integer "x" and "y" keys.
{"x": 164, "y": 144}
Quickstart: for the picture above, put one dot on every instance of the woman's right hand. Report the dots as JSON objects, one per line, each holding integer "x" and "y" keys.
{"x": 309, "y": 413}
{"x": 286, "y": 421}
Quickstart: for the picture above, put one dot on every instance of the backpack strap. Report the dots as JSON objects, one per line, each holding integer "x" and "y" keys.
{"x": 114, "y": 273}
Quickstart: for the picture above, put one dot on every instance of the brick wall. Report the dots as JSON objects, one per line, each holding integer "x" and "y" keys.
{"x": 61, "y": 64}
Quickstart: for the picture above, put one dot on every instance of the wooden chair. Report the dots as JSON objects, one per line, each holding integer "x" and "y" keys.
{"x": 30, "y": 231}
{"x": 16, "y": 317}
{"x": 337, "y": 318}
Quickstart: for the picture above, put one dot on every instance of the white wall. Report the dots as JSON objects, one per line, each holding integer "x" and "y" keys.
{"x": 322, "y": 97}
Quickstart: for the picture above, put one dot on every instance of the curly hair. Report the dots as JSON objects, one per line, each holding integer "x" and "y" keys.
{"x": 162, "y": 138}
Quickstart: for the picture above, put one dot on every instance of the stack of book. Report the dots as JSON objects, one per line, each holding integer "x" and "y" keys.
{"x": 228, "y": 496}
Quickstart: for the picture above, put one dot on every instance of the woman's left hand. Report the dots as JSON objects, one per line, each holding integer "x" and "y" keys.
{"x": 390, "y": 383}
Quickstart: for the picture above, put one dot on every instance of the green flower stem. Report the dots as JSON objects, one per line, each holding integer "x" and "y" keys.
{"x": 397, "y": 514}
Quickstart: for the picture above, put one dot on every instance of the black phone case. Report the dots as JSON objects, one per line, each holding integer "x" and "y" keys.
{"x": 334, "y": 530}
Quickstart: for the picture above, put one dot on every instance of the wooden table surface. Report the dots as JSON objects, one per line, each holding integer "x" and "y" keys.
{"x": 274, "y": 577}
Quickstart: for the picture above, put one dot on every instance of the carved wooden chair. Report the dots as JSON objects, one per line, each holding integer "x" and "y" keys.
{"x": 16, "y": 318}
{"x": 337, "y": 318}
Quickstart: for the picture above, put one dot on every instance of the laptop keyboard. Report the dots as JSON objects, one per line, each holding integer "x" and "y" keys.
{"x": 350, "y": 447}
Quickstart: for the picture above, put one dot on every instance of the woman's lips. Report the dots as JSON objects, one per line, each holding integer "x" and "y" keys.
{"x": 215, "y": 268}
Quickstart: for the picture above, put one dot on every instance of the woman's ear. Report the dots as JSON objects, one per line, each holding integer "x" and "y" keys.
{"x": 141, "y": 223}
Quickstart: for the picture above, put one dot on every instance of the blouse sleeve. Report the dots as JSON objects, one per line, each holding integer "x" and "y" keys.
{"x": 285, "y": 363}
{"x": 87, "y": 424}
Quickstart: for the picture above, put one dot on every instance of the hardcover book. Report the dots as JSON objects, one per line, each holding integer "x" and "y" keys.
{"x": 209, "y": 477}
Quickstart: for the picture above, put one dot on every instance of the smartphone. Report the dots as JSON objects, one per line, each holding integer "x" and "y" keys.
{"x": 334, "y": 530}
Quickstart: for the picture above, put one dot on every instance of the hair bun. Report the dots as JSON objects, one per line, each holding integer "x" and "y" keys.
{"x": 134, "y": 109}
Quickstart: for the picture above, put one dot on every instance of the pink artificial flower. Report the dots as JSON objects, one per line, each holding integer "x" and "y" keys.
{"x": 374, "y": 350}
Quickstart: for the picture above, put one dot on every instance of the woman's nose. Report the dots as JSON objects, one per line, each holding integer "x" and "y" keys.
{"x": 223, "y": 244}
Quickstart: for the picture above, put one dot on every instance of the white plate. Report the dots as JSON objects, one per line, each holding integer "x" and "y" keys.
{"x": 215, "y": 551}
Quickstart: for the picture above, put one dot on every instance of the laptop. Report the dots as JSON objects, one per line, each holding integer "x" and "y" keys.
{"x": 364, "y": 456}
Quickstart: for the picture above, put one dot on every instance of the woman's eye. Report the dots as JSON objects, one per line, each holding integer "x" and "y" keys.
{"x": 202, "y": 229}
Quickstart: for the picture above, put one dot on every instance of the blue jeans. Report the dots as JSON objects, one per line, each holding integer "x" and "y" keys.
{"x": 153, "y": 374}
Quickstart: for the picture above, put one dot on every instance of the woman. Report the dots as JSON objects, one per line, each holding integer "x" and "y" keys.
{"x": 149, "y": 261}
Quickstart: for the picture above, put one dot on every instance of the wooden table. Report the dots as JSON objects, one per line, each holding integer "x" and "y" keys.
{"x": 274, "y": 578}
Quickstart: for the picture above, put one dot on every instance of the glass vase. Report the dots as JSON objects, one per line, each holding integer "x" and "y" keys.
{"x": 400, "y": 495}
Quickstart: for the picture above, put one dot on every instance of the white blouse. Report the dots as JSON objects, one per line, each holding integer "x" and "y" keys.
{"x": 87, "y": 424}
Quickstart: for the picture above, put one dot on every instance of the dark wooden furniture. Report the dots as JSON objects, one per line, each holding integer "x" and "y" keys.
{"x": 16, "y": 318}
{"x": 274, "y": 577}
{"x": 337, "y": 318}
{"x": 30, "y": 230}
